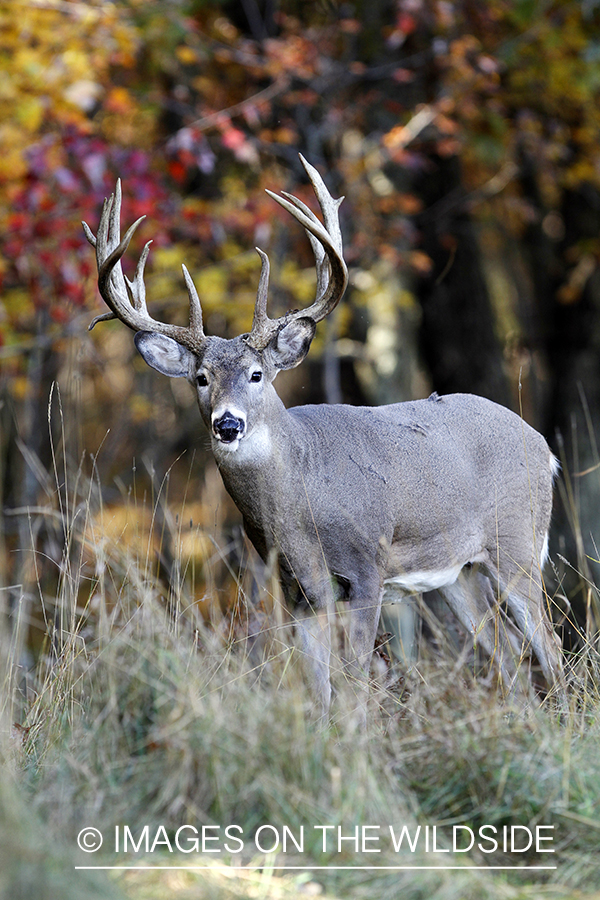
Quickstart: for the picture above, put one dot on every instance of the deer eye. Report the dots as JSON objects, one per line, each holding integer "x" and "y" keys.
{"x": 256, "y": 377}
{"x": 201, "y": 379}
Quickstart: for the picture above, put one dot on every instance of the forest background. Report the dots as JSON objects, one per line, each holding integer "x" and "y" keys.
{"x": 465, "y": 137}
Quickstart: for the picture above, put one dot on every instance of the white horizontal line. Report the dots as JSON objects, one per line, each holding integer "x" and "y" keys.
{"x": 319, "y": 868}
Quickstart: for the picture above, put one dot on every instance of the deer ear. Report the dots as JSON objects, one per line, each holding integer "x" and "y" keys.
{"x": 164, "y": 354}
{"x": 291, "y": 345}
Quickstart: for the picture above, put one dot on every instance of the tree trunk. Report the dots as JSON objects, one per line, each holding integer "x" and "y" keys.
{"x": 457, "y": 341}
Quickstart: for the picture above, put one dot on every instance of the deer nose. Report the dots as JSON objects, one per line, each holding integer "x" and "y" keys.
{"x": 228, "y": 427}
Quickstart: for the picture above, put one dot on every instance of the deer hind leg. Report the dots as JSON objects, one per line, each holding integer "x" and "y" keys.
{"x": 526, "y": 600}
{"x": 518, "y": 583}
{"x": 472, "y": 601}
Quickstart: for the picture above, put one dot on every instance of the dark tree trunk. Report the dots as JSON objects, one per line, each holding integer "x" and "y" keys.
{"x": 457, "y": 340}
{"x": 567, "y": 330}
{"x": 574, "y": 352}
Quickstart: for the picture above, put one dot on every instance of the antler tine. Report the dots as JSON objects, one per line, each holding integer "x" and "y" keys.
{"x": 263, "y": 328}
{"x": 127, "y": 299}
{"x": 196, "y": 325}
{"x": 321, "y": 262}
{"x": 326, "y": 242}
{"x": 329, "y": 206}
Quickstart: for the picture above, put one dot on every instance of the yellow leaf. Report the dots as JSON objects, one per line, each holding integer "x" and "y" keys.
{"x": 120, "y": 100}
{"x": 168, "y": 258}
{"x": 186, "y": 55}
{"x": 212, "y": 284}
{"x": 30, "y": 113}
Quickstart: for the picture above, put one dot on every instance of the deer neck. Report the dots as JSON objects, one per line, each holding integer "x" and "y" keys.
{"x": 256, "y": 474}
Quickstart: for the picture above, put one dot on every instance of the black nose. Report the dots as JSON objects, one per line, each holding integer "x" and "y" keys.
{"x": 228, "y": 428}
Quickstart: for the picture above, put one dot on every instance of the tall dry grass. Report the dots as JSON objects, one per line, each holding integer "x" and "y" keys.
{"x": 142, "y": 709}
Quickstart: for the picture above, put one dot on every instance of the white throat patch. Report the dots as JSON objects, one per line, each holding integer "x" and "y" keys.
{"x": 253, "y": 446}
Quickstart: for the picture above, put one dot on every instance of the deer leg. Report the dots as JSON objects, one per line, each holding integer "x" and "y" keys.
{"x": 365, "y": 607}
{"x": 313, "y": 632}
{"x": 526, "y": 601}
{"x": 310, "y": 599}
{"x": 519, "y": 583}
{"x": 472, "y": 601}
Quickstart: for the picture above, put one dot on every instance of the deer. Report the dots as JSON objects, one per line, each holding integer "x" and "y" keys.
{"x": 450, "y": 494}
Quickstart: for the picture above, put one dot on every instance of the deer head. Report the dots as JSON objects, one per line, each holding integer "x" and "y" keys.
{"x": 232, "y": 377}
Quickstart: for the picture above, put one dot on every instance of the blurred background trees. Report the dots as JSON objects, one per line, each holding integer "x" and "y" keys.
{"x": 465, "y": 137}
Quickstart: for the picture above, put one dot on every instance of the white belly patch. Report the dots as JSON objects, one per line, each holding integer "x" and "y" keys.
{"x": 419, "y": 582}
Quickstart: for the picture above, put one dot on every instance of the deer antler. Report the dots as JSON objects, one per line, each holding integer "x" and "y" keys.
{"x": 127, "y": 299}
{"x": 326, "y": 242}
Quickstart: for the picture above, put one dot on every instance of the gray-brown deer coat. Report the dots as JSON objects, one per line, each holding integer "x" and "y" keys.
{"x": 450, "y": 493}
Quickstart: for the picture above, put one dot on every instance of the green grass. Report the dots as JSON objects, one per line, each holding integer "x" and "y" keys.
{"x": 142, "y": 713}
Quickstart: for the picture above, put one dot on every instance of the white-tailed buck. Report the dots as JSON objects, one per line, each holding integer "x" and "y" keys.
{"x": 452, "y": 493}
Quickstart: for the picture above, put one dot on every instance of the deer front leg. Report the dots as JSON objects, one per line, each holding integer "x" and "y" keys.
{"x": 313, "y": 632}
{"x": 310, "y": 599}
{"x": 365, "y": 609}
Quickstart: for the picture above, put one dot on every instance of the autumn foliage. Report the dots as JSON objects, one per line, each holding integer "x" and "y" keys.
{"x": 465, "y": 137}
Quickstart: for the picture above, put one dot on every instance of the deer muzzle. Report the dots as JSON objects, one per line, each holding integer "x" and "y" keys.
{"x": 228, "y": 428}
